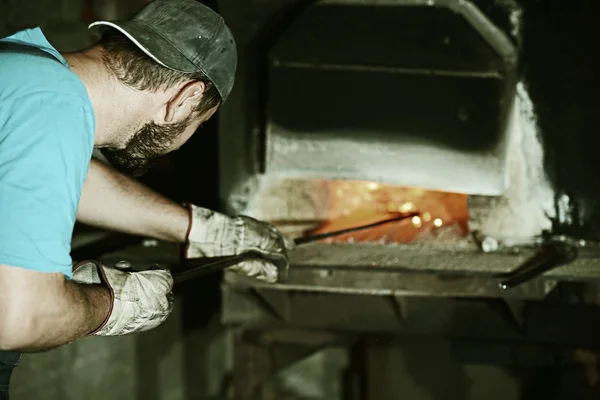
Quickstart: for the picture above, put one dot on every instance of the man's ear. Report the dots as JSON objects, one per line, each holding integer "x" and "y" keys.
{"x": 188, "y": 96}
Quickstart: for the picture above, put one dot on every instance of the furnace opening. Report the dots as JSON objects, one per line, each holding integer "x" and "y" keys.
{"x": 355, "y": 203}
{"x": 307, "y": 207}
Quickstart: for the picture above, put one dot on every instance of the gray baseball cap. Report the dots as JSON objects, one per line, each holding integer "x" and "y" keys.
{"x": 183, "y": 35}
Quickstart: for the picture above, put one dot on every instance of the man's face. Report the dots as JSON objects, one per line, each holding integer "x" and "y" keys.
{"x": 151, "y": 142}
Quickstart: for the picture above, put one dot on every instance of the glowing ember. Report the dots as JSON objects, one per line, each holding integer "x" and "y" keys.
{"x": 407, "y": 207}
{"x": 354, "y": 203}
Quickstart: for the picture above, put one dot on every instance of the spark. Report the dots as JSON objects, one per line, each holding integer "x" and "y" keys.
{"x": 416, "y": 221}
{"x": 372, "y": 186}
{"x": 406, "y": 207}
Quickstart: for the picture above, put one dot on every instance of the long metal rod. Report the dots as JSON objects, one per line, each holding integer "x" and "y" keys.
{"x": 326, "y": 235}
{"x": 204, "y": 266}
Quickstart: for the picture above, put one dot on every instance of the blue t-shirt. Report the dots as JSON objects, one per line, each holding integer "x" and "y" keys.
{"x": 46, "y": 141}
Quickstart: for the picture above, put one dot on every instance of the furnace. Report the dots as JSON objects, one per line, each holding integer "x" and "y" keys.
{"x": 348, "y": 111}
{"x": 359, "y": 113}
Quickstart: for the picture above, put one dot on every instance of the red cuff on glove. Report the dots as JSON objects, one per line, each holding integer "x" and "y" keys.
{"x": 104, "y": 281}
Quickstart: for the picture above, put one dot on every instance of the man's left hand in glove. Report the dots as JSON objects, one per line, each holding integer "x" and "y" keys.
{"x": 212, "y": 234}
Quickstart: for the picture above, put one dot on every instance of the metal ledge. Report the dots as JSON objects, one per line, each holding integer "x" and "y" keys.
{"x": 462, "y": 258}
{"x": 446, "y": 261}
{"x": 386, "y": 282}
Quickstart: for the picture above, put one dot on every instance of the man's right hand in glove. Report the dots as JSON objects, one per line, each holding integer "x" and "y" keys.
{"x": 139, "y": 300}
{"x": 40, "y": 311}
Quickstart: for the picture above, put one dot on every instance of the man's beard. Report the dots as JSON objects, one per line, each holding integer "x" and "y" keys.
{"x": 145, "y": 147}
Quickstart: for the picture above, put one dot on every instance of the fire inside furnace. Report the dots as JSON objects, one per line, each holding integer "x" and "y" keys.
{"x": 355, "y": 203}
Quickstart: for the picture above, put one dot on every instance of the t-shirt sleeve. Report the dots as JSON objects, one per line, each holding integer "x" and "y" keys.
{"x": 46, "y": 141}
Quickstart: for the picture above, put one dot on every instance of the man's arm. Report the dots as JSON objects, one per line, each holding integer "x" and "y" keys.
{"x": 44, "y": 154}
{"x": 113, "y": 201}
{"x": 60, "y": 312}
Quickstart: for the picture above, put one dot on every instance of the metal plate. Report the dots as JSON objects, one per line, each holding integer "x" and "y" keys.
{"x": 360, "y": 91}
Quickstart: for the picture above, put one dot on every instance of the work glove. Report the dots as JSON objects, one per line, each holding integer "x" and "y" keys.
{"x": 140, "y": 301}
{"x": 213, "y": 235}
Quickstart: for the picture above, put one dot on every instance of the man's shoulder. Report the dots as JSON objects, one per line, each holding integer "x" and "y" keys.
{"x": 39, "y": 92}
{"x": 29, "y": 74}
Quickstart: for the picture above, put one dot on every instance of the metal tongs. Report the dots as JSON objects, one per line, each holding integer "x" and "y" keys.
{"x": 202, "y": 266}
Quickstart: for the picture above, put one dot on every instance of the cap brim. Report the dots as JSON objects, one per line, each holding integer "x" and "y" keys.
{"x": 150, "y": 42}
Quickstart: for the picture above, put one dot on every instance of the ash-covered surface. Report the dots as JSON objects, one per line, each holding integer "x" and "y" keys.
{"x": 463, "y": 258}
{"x": 560, "y": 64}
{"x": 379, "y": 160}
{"x": 294, "y": 206}
{"x": 524, "y": 211}
{"x": 527, "y": 206}
{"x": 289, "y": 200}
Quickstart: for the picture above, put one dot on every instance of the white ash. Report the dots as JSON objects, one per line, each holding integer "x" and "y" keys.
{"x": 525, "y": 209}
{"x": 564, "y": 210}
{"x": 239, "y": 195}
{"x": 289, "y": 200}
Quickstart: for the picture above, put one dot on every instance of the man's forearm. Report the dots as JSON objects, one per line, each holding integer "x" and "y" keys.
{"x": 40, "y": 311}
{"x": 113, "y": 201}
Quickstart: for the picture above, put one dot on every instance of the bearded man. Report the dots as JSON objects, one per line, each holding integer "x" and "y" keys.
{"x": 137, "y": 94}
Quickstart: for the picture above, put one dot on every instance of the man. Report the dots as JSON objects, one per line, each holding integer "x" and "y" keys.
{"x": 139, "y": 93}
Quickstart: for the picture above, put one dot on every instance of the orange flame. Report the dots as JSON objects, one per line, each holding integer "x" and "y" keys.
{"x": 354, "y": 203}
